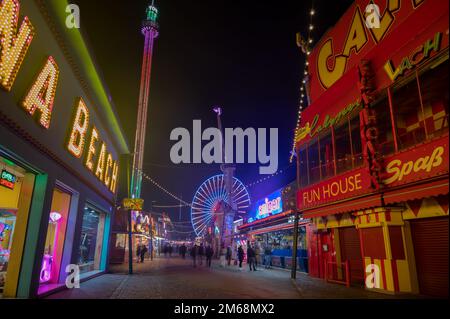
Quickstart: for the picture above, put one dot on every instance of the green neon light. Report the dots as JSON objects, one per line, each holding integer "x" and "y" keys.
{"x": 152, "y": 13}
{"x": 75, "y": 37}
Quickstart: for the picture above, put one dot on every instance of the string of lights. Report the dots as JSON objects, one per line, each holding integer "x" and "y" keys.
{"x": 269, "y": 176}
{"x": 305, "y": 45}
{"x": 163, "y": 189}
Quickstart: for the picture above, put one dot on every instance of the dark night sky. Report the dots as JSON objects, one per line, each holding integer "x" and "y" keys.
{"x": 241, "y": 55}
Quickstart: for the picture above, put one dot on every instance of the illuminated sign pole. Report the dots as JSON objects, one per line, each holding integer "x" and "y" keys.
{"x": 150, "y": 31}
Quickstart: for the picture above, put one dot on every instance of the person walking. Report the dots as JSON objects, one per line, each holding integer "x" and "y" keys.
{"x": 201, "y": 252}
{"x": 240, "y": 256}
{"x": 142, "y": 253}
{"x": 183, "y": 251}
{"x": 209, "y": 253}
{"x": 251, "y": 258}
{"x": 194, "y": 255}
{"x": 228, "y": 255}
{"x": 170, "y": 250}
{"x": 257, "y": 254}
{"x": 138, "y": 252}
{"x": 267, "y": 257}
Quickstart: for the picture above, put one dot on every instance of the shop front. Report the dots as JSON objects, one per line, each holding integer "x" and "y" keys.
{"x": 269, "y": 226}
{"x": 59, "y": 147}
{"x": 373, "y": 168}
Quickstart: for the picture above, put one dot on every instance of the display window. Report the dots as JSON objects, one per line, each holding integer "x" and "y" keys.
{"x": 91, "y": 240}
{"x": 54, "y": 242}
{"x": 16, "y": 188}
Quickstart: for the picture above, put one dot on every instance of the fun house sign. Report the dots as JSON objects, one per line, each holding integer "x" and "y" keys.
{"x": 83, "y": 141}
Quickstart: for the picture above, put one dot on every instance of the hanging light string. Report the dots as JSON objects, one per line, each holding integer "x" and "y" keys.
{"x": 306, "y": 47}
{"x": 163, "y": 189}
{"x": 269, "y": 176}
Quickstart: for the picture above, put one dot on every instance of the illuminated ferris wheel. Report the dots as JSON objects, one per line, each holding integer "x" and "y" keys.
{"x": 209, "y": 195}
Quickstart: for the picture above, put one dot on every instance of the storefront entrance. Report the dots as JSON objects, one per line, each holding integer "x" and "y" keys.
{"x": 351, "y": 252}
{"x": 430, "y": 240}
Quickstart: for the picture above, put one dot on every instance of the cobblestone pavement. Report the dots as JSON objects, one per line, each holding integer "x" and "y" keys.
{"x": 174, "y": 278}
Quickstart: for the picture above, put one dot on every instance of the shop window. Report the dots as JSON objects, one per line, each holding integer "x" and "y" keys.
{"x": 314, "y": 161}
{"x": 54, "y": 242}
{"x": 434, "y": 91}
{"x": 303, "y": 169}
{"x": 16, "y": 187}
{"x": 355, "y": 128}
{"x": 326, "y": 155}
{"x": 91, "y": 240}
{"x": 344, "y": 154}
{"x": 408, "y": 114}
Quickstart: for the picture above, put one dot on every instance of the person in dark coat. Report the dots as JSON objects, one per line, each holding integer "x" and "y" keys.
{"x": 228, "y": 255}
{"x": 138, "y": 252}
{"x": 194, "y": 254}
{"x": 240, "y": 256}
{"x": 209, "y": 253}
{"x": 201, "y": 252}
{"x": 142, "y": 253}
{"x": 183, "y": 251}
{"x": 251, "y": 258}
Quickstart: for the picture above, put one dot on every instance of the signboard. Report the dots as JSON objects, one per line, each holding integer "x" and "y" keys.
{"x": 351, "y": 184}
{"x": 419, "y": 163}
{"x": 270, "y": 205}
{"x": 409, "y": 34}
{"x": 133, "y": 203}
{"x": 8, "y": 179}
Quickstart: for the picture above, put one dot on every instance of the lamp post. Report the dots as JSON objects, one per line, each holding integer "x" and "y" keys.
{"x": 151, "y": 229}
{"x": 295, "y": 245}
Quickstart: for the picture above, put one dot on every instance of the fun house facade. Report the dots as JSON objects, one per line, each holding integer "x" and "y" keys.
{"x": 60, "y": 143}
{"x": 373, "y": 150}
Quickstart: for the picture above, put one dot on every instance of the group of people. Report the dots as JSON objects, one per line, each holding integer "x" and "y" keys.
{"x": 141, "y": 250}
{"x": 200, "y": 252}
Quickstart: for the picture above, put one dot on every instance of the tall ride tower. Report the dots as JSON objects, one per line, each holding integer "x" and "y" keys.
{"x": 150, "y": 31}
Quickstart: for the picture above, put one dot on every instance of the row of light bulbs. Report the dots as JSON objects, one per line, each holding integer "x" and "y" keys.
{"x": 163, "y": 189}
{"x": 312, "y": 12}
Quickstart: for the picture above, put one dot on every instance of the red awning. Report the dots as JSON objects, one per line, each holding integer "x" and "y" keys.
{"x": 355, "y": 204}
{"x": 435, "y": 188}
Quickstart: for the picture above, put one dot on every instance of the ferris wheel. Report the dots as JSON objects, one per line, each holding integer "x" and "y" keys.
{"x": 209, "y": 195}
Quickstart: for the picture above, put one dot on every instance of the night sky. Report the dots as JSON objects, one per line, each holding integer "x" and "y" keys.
{"x": 241, "y": 55}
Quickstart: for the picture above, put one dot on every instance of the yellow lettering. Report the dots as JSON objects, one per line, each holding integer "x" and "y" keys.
{"x": 79, "y": 129}
{"x": 329, "y": 77}
{"x": 92, "y": 149}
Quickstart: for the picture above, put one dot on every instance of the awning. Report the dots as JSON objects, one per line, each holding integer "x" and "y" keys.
{"x": 355, "y": 204}
{"x": 435, "y": 188}
{"x": 275, "y": 228}
{"x": 266, "y": 219}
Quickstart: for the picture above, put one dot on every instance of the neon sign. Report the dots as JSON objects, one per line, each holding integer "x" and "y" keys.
{"x": 39, "y": 101}
{"x": 271, "y": 205}
{"x": 7, "y": 179}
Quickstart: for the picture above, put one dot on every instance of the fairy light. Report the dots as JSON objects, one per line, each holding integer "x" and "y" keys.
{"x": 109, "y": 164}
{"x": 79, "y": 129}
{"x": 14, "y": 45}
{"x": 99, "y": 171}
{"x": 307, "y": 49}
{"x": 115, "y": 173}
{"x": 162, "y": 188}
{"x": 91, "y": 150}
{"x": 42, "y": 93}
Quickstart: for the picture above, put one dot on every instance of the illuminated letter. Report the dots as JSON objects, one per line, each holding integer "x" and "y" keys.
{"x": 357, "y": 37}
{"x": 109, "y": 164}
{"x": 101, "y": 162}
{"x": 79, "y": 128}
{"x": 42, "y": 94}
{"x": 91, "y": 149}
{"x": 13, "y": 45}
{"x": 328, "y": 77}
{"x": 115, "y": 172}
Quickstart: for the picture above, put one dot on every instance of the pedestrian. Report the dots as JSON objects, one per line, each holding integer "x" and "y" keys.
{"x": 183, "y": 251}
{"x": 170, "y": 250}
{"x": 138, "y": 252}
{"x": 251, "y": 258}
{"x": 201, "y": 252}
{"x": 209, "y": 253}
{"x": 166, "y": 250}
{"x": 194, "y": 255}
{"x": 267, "y": 257}
{"x": 257, "y": 254}
{"x": 143, "y": 251}
{"x": 240, "y": 256}
{"x": 228, "y": 255}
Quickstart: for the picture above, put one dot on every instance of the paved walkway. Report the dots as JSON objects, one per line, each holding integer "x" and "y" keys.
{"x": 174, "y": 278}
